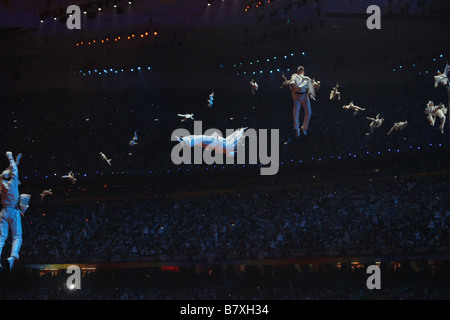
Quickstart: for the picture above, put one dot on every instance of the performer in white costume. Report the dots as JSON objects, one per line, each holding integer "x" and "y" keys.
{"x": 14, "y": 205}
{"x": 429, "y": 110}
{"x": 47, "y": 192}
{"x": 335, "y": 94}
{"x": 70, "y": 176}
{"x": 398, "y": 126}
{"x": 302, "y": 89}
{"x": 254, "y": 86}
{"x": 352, "y": 107}
{"x": 376, "y": 123}
{"x": 442, "y": 78}
{"x": 133, "y": 141}
{"x": 186, "y": 116}
{"x": 211, "y": 99}
{"x": 226, "y": 145}
{"x": 433, "y": 111}
{"x": 103, "y": 156}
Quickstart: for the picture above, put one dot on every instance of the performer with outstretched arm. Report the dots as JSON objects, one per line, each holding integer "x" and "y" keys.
{"x": 375, "y": 123}
{"x": 351, "y": 106}
{"x": 301, "y": 88}
{"x": 398, "y": 126}
{"x": 14, "y": 206}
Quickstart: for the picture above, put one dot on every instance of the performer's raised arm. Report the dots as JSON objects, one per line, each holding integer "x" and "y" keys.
{"x": 12, "y": 172}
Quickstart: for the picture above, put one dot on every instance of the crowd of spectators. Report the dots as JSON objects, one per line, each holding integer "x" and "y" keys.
{"x": 393, "y": 215}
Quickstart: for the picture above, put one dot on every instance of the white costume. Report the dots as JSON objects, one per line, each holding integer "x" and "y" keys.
{"x": 105, "y": 158}
{"x": 442, "y": 78}
{"x": 436, "y": 111}
{"x": 351, "y": 106}
{"x": 70, "y": 176}
{"x": 14, "y": 205}
{"x": 133, "y": 141}
{"x": 301, "y": 88}
{"x": 376, "y": 122}
{"x": 186, "y": 116}
{"x": 46, "y": 193}
{"x": 215, "y": 141}
{"x": 398, "y": 126}
{"x": 211, "y": 99}
{"x": 335, "y": 94}
{"x": 254, "y": 86}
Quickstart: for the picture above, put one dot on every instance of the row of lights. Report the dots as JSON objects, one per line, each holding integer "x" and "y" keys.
{"x": 267, "y": 59}
{"x": 292, "y": 161}
{"x": 261, "y": 4}
{"x": 256, "y": 4}
{"x": 251, "y": 3}
{"x": 61, "y": 14}
{"x": 107, "y": 39}
{"x": 109, "y": 71}
{"x": 401, "y": 67}
{"x": 258, "y": 61}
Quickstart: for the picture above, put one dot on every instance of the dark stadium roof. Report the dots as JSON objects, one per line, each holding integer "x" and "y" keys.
{"x": 18, "y": 16}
